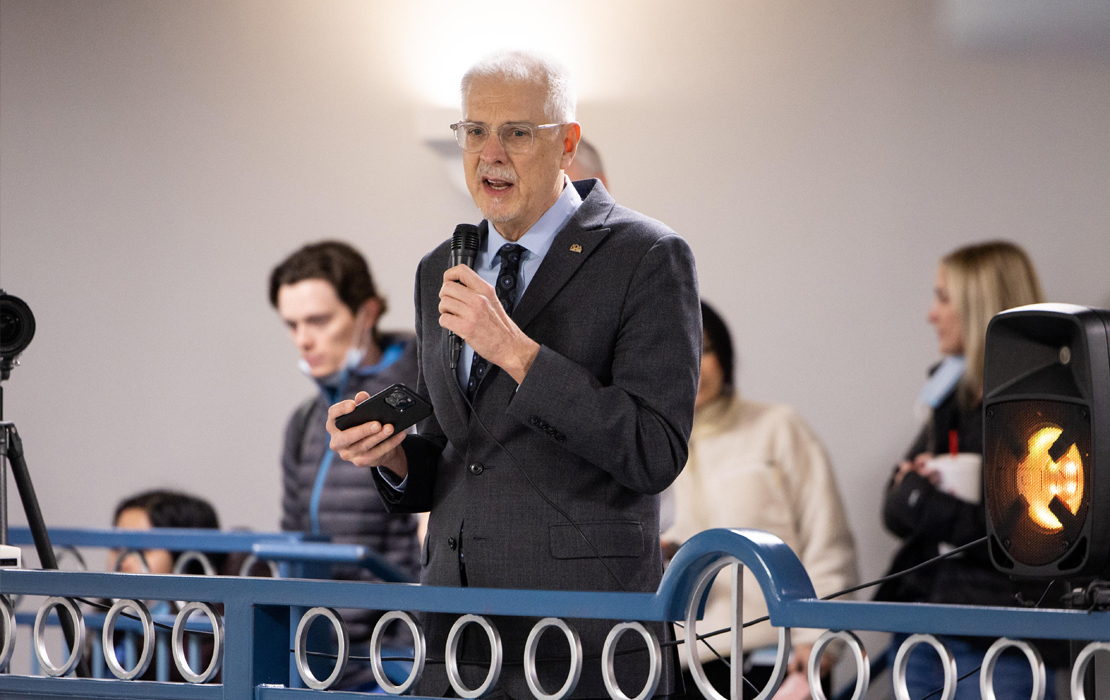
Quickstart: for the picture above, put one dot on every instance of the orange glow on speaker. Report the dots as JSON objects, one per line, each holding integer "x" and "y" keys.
{"x": 1041, "y": 480}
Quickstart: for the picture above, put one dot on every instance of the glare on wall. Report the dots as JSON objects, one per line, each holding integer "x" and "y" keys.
{"x": 437, "y": 41}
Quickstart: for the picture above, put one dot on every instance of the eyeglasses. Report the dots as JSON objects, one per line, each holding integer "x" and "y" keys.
{"x": 515, "y": 137}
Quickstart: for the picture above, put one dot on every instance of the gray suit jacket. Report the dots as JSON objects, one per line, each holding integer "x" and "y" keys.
{"x": 600, "y": 426}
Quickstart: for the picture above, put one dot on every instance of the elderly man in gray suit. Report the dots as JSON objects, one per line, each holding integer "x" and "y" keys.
{"x": 572, "y": 403}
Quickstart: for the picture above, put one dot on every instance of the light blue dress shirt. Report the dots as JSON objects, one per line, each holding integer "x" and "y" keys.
{"x": 536, "y": 242}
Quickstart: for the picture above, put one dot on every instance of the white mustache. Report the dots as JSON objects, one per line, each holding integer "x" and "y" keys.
{"x": 497, "y": 172}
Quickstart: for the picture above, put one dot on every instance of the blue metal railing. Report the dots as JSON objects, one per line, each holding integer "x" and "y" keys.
{"x": 260, "y": 614}
{"x": 287, "y": 551}
{"x": 286, "y": 548}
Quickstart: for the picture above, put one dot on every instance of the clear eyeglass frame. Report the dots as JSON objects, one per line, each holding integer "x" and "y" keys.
{"x": 515, "y": 137}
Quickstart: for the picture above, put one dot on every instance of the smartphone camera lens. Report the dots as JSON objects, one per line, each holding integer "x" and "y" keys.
{"x": 399, "y": 400}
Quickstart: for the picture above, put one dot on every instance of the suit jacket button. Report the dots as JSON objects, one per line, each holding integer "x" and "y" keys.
{"x": 476, "y": 469}
{"x": 452, "y": 543}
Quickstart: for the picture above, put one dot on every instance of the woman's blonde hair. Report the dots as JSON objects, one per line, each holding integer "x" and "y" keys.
{"x": 983, "y": 280}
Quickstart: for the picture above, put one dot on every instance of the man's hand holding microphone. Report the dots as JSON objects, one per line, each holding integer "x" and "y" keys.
{"x": 469, "y": 308}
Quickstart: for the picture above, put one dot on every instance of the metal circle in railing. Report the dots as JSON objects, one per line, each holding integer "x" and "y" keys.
{"x": 901, "y": 692}
{"x": 128, "y": 552}
{"x": 496, "y": 654}
{"x": 178, "y": 643}
{"x": 531, "y": 674}
{"x": 1036, "y": 664}
{"x": 7, "y": 641}
{"x": 609, "y": 656}
{"x": 859, "y": 653}
{"x": 249, "y": 562}
{"x": 1079, "y": 669}
{"x": 782, "y": 656}
{"x": 300, "y": 648}
{"x": 188, "y": 557}
{"x": 419, "y": 655}
{"x": 69, "y": 606}
{"x": 108, "y": 639}
{"x": 191, "y": 556}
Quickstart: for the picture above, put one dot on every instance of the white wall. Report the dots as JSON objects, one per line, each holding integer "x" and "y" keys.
{"x": 159, "y": 158}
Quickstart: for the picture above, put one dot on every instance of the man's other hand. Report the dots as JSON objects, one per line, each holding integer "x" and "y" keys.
{"x": 468, "y": 306}
{"x": 368, "y": 445}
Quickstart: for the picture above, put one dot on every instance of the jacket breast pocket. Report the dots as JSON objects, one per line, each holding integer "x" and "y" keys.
{"x": 605, "y": 539}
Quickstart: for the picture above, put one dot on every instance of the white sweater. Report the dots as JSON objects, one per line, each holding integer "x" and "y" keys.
{"x": 760, "y": 466}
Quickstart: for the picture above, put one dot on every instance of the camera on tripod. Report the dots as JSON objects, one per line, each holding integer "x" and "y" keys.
{"x": 17, "y": 328}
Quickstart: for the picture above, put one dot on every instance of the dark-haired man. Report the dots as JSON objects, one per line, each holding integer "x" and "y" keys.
{"x": 160, "y": 508}
{"x": 582, "y": 364}
{"x": 325, "y": 296}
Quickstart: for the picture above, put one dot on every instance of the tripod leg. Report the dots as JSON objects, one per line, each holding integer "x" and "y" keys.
{"x": 34, "y": 519}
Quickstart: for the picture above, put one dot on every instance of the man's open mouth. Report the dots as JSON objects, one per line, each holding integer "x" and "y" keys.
{"x": 496, "y": 185}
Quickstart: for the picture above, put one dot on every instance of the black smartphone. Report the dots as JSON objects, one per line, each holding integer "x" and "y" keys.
{"x": 397, "y": 405}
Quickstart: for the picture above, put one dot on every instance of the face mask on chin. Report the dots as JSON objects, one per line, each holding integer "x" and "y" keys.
{"x": 355, "y": 355}
{"x": 332, "y": 381}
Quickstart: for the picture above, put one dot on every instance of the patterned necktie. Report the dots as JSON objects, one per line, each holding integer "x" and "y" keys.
{"x": 507, "y": 282}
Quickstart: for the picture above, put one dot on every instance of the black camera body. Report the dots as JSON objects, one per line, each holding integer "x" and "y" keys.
{"x": 17, "y": 328}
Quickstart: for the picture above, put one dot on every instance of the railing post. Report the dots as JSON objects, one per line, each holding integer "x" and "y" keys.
{"x": 270, "y": 663}
{"x": 736, "y": 677}
{"x": 256, "y": 648}
{"x": 292, "y": 619}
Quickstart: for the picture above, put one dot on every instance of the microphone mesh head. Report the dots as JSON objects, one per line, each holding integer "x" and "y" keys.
{"x": 466, "y": 237}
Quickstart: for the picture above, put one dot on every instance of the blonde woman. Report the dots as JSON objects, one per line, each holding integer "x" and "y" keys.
{"x": 973, "y": 284}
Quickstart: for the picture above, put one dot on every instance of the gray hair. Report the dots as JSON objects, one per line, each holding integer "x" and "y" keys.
{"x": 529, "y": 67}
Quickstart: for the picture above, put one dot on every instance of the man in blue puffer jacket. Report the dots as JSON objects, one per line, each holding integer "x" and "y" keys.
{"x": 326, "y": 297}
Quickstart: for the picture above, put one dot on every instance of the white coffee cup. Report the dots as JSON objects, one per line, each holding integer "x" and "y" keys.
{"x": 960, "y": 475}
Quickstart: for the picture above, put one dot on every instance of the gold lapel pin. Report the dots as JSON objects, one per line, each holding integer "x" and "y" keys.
{"x": 575, "y": 248}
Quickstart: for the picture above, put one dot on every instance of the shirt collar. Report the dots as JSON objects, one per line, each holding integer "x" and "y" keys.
{"x": 538, "y": 239}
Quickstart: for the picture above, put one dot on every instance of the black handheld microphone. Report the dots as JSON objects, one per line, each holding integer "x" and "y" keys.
{"x": 464, "y": 251}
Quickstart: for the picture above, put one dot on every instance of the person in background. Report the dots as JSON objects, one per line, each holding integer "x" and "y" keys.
{"x": 587, "y": 164}
{"x": 973, "y": 284}
{"x": 756, "y": 465}
{"x": 325, "y": 296}
{"x": 154, "y": 509}
{"x": 145, "y": 511}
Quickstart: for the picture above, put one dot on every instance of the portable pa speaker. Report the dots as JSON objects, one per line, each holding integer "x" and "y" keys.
{"x": 1046, "y": 441}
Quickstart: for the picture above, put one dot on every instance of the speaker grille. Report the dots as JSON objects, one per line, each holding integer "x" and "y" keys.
{"x": 1037, "y": 472}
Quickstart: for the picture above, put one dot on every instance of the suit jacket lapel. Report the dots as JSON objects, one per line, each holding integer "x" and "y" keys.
{"x": 578, "y": 239}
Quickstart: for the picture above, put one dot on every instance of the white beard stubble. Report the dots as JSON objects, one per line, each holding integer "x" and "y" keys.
{"x": 498, "y": 212}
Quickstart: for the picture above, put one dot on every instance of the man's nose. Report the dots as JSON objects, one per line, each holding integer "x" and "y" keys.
{"x": 303, "y": 338}
{"x": 493, "y": 151}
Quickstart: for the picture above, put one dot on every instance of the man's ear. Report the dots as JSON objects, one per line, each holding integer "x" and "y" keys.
{"x": 570, "y": 144}
{"x": 368, "y": 314}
